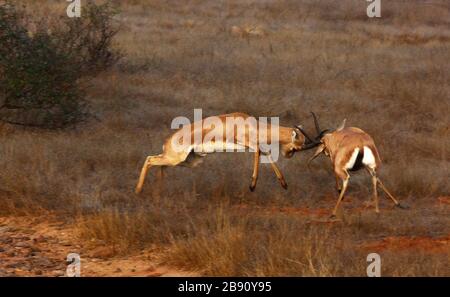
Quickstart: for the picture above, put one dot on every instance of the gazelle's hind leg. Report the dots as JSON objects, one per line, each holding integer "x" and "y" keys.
{"x": 389, "y": 194}
{"x": 338, "y": 184}
{"x": 159, "y": 160}
{"x": 376, "y": 180}
{"x": 374, "y": 187}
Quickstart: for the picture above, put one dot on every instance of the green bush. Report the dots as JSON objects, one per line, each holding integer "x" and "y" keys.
{"x": 40, "y": 70}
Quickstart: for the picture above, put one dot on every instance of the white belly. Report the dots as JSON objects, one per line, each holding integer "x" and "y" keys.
{"x": 218, "y": 146}
{"x": 369, "y": 158}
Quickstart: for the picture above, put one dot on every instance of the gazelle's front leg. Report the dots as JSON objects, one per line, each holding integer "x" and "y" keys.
{"x": 277, "y": 172}
{"x": 341, "y": 195}
{"x": 345, "y": 177}
{"x": 255, "y": 170}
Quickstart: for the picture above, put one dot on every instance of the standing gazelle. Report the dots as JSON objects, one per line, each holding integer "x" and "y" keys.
{"x": 290, "y": 140}
{"x": 349, "y": 149}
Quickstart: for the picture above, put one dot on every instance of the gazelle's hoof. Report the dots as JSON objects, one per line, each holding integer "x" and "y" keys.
{"x": 284, "y": 185}
{"x": 401, "y": 206}
{"x": 333, "y": 216}
{"x": 252, "y": 188}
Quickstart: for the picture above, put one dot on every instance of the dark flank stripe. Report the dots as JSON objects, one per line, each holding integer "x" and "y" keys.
{"x": 358, "y": 162}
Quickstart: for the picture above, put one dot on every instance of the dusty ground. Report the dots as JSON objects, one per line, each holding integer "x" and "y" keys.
{"x": 38, "y": 247}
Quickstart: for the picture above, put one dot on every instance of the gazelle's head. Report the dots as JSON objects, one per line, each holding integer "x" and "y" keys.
{"x": 295, "y": 144}
{"x": 299, "y": 140}
{"x": 324, "y": 140}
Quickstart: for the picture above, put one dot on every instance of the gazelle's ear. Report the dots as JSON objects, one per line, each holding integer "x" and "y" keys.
{"x": 342, "y": 125}
{"x": 318, "y": 151}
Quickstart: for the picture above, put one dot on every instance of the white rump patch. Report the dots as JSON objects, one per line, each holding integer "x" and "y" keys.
{"x": 352, "y": 160}
{"x": 369, "y": 158}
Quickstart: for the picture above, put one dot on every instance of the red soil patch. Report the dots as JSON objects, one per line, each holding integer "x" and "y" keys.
{"x": 402, "y": 243}
{"x": 288, "y": 210}
{"x": 444, "y": 200}
{"x": 302, "y": 210}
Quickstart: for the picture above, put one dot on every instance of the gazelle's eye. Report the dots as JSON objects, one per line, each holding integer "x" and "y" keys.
{"x": 294, "y": 135}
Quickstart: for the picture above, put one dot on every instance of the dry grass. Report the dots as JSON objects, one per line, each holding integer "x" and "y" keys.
{"x": 388, "y": 76}
{"x": 231, "y": 240}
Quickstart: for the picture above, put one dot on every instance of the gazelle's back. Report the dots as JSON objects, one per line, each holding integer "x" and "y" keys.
{"x": 354, "y": 144}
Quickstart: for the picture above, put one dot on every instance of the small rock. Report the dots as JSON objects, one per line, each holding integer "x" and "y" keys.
{"x": 57, "y": 273}
{"x": 43, "y": 262}
{"x": 150, "y": 269}
{"x": 7, "y": 240}
{"x": 102, "y": 253}
{"x": 35, "y": 249}
{"x": 28, "y": 253}
{"x": 40, "y": 238}
{"x": 22, "y": 244}
{"x": 5, "y": 229}
{"x": 12, "y": 265}
{"x": 65, "y": 243}
{"x": 118, "y": 270}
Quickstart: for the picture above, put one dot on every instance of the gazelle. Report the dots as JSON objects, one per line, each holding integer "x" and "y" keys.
{"x": 290, "y": 140}
{"x": 349, "y": 149}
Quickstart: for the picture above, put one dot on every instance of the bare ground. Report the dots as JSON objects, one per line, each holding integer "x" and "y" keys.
{"x": 39, "y": 247}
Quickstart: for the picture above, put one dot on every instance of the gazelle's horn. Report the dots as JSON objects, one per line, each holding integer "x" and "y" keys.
{"x": 304, "y": 133}
{"x": 316, "y": 123}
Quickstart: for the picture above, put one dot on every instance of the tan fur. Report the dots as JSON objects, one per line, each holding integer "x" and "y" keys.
{"x": 170, "y": 157}
{"x": 341, "y": 144}
{"x": 339, "y": 147}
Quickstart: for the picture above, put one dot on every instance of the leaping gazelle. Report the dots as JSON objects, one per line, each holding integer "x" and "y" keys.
{"x": 349, "y": 149}
{"x": 290, "y": 140}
